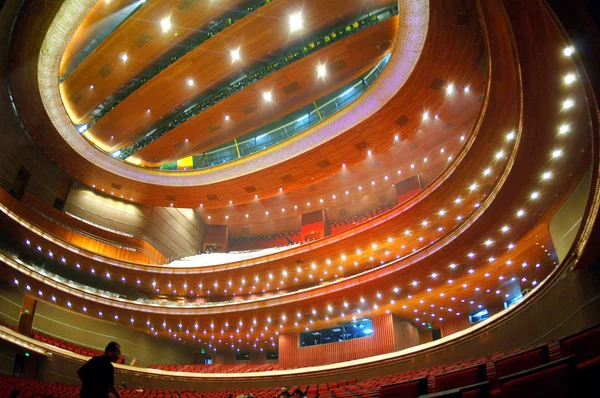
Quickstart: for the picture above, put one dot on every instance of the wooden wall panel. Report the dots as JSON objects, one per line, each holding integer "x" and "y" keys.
{"x": 10, "y": 304}
{"x": 95, "y": 333}
{"x": 291, "y": 355}
{"x": 173, "y": 231}
{"x": 405, "y": 334}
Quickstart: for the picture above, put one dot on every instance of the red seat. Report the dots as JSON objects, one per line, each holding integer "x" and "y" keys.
{"x": 460, "y": 378}
{"x": 407, "y": 389}
{"x": 553, "y": 380}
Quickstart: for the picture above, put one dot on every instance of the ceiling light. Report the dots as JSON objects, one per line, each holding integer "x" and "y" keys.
{"x": 467, "y": 89}
{"x": 165, "y": 24}
{"x": 267, "y": 96}
{"x": 568, "y": 103}
{"x": 425, "y": 115}
{"x": 564, "y": 129}
{"x": 321, "y": 70}
{"x": 487, "y": 172}
{"x": 568, "y": 51}
{"x": 499, "y": 155}
{"x": 295, "y": 21}
{"x": 570, "y": 78}
{"x": 124, "y": 57}
{"x": 510, "y": 136}
{"x": 520, "y": 213}
{"x": 235, "y": 55}
{"x": 505, "y": 228}
{"x": 547, "y": 175}
{"x": 450, "y": 89}
{"x": 190, "y": 82}
{"x": 535, "y": 195}
{"x": 557, "y": 153}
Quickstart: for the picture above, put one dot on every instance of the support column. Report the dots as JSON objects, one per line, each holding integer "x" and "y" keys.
{"x": 216, "y": 238}
{"x": 27, "y": 314}
{"x": 407, "y": 188}
{"x": 62, "y": 193}
{"x": 315, "y": 225}
{"x": 20, "y": 183}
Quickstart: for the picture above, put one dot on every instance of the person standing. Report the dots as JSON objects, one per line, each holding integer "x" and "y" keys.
{"x": 98, "y": 374}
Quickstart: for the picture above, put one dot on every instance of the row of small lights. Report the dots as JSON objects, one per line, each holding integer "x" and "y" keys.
{"x": 328, "y": 310}
{"x": 413, "y": 167}
{"x": 442, "y": 212}
{"x": 567, "y": 104}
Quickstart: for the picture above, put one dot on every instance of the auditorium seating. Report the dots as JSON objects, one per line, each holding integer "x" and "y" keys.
{"x": 65, "y": 345}
{"x": 6, "y": 325}
{"x": 585, "y": 347}
{"x": 524, "y": 372}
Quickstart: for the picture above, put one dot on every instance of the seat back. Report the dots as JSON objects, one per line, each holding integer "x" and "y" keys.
{"x": 555, "y": 379}
{"x": 460, "y": 378}
{"x": 522, "y": 361}
{"x": 584, "y": 346}
{"x": 406, "y": 389}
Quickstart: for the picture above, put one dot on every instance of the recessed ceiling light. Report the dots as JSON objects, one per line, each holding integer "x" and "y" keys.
{"x": 190, "y": 82}
{"x": 557, "y": 153}
{"x": 564, "y": 129}
{"x": 124, "y": 57}
{"x": 268, "y": 96}
{"x": 568, "y": 51}
{"x": 235, "y": 55}
{"x": 227, "y": 117}
{"x": 568, "y": 103}
{"x": 570, "y": 78}
{"x": 295, "y": 21}
{"x": 321, "y": 70}
{"x": 547, "y": 175}
{"x": 165, "y": 24}
{"x": 450, "y": 89}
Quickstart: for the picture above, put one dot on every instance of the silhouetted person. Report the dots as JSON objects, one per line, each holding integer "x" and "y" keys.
{"x": 98, "y": 374}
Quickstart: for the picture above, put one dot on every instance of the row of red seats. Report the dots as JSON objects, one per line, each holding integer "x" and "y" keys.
{"x": 6, "y": 325}
{"x": 559, "y": 369}
{"x": 217, "y": 368}
{"x": 65, "y": 345}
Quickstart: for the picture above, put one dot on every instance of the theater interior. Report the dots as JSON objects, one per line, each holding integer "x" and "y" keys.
{"x": 345, "y": 198}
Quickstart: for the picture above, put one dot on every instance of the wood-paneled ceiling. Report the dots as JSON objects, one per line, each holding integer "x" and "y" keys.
{"x": 260, "y": 36}
{"x": 475, "y": 238}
